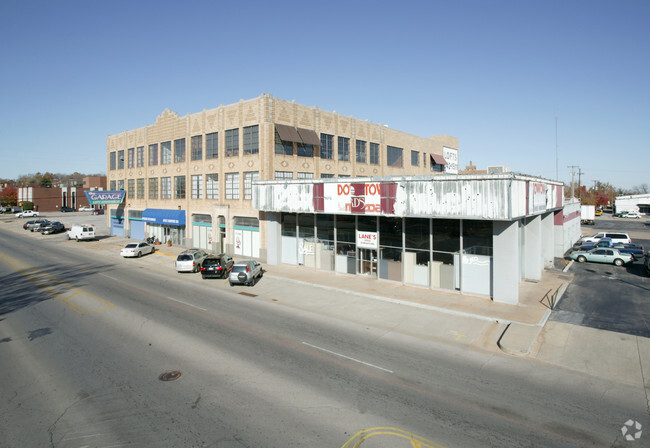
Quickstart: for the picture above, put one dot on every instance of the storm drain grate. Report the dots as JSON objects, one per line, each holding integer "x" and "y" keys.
{"x": 170, "y": 375}
{"x": 248, "y": 294}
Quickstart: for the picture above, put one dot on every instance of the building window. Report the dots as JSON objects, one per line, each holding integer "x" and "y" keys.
{"x": 120, "y": 159}
{"x": 179, "y": 187}
{"x": 361, "y": 151}
{"x": 120, "y": 184}
{"x": 305, "y": 150}
{"x": 326, "y": 176}
{"x": 232, "y": 185}
{"x": 113, "y": 186}
{"x": 165, "y": 153}
{"x": 232, "y": 143}
{"x": 344, "y": 149}
{"x": 305, "y": 175}
{"x": 197, "y": 186}
{"x": 212, "y": 186}
{"x": 394, "y": 156}
{"x": 179, "y": 150}
{"x": 436, "y": 167}
{"x": 130, "y": 190}
{"x": 112, "y": 158}
{"x": 326, "y": 142}
{"x": 283, "y": 147}
{"x": 415, "y": 158}
{"x": 139, "y": 156}
{"x": 374, "y": 153}
{"x": 153, "y": 188}
{"x": 212, "y": 145}
{"x": 140, "y": 188}
{"x": 251, "y": 140}
{"x": 249, "y": 178}
{"x": 153, "y": 154}
{"x": 279, "y": 175}
{"x": 130, "y": 158}
{"x": 197, "y": 147}
{"x": 166, "y": 187}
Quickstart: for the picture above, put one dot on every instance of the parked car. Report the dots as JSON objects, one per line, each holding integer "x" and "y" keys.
{"x": 646, "y": 264}
{"x": 245, "y": 272}
{"x": 38, "y": 225}
{"x": 27, "y": 214}
{"x": 98, "y": 211}
{"x": 216, "y": 266}
{"x": 190, "y": 260}
{"x": 66, "y": 209}
{"x": 616, "y": 237}
{"x": 81, "y": 232}
{"x": 137, "y": 249}
{"x": 601, "y": 255}
{"x": 634, "y": 249}
{"x": 85, "y": 208}
{"x": 52, "y": 227}
{"x": 27, "y": 224}
{"x": 635, "y": 215}
{"x": 599, "y": 212}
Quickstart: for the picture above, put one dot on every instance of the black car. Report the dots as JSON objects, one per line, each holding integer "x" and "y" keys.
{"x": 646, "y": 263}
{"x": 216, "y": 266}
{"x": 67, "y": 209}
{"x": 52, "y": 227}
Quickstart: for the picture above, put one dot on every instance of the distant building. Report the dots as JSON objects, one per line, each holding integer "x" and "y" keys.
{"x": 51, "y": 199}
{"x": 471, "y": 169}
{"x": 633, "y": 203}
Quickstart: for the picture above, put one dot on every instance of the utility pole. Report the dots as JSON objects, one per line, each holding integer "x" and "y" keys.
{"x": 573, "y": 167}
{"x": 580, "y": 173}
{"x": 557, "y": 175}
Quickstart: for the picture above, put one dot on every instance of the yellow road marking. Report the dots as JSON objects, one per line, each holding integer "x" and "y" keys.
{"x": 79, "y": 300}
{"x": 364, "y": 434}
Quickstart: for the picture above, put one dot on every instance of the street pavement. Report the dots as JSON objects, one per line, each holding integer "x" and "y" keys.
{"x": 466, "y": 321}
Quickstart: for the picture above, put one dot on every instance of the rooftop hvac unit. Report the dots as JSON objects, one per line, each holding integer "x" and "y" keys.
{"x": 498, "y": 169}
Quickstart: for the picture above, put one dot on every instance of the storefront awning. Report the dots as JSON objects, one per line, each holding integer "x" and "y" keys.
{"x": 164, "y": 217}
{"x": 438, "y": 159}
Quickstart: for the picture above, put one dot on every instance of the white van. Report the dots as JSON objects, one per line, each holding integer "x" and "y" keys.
{"x": 81, "y": 232}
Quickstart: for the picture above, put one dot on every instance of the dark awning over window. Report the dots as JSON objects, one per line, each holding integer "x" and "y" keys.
{"x": 309, "y": 137}
{"x": 288, "y": 133}
{"x": 438, "y": 159}
{"x": 298, "y": 135}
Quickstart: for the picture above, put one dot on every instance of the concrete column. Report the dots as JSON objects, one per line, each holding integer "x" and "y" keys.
{"x": 505, "y": 260}
{"x": 533, "y": 252}
{"x": 273, "y": 238}
{"x": 548, "y": 240}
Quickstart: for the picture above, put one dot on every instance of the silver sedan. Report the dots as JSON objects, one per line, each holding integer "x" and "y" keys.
{"x": 602, "y": 255}
{"x": 136, "y": 250}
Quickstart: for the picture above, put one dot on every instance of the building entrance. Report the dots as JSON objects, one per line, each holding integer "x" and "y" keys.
{"x": 367, "y": 262}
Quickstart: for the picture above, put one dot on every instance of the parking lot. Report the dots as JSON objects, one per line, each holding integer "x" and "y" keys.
{"x": 606, "y": 296}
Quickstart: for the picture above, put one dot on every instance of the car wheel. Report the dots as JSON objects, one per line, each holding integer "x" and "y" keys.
{"x": 581, "y": 259}
{"x": 231, "y": 284}
{"x": 618, "y": 262}
{"x": 139, "y": 254}
{"x": 76, "y": 239}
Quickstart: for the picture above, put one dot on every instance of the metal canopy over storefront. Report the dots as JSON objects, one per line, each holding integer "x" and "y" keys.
{"x": 164, "y": 217}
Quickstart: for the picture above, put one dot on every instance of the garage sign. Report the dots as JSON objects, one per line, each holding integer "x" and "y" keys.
{"x": 105, "y": 197}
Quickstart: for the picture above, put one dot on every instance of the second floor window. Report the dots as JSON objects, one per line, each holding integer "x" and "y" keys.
{"x": 374, "y": 153}
{"x": 153, "y": 188}
{"x": 249, "y": 178}
{"x": 415, "y": 158}
{"x": 232, "y": 143}
{"x": 197, "y": 147}
{"x": 212, "y": 145}
{"x": 361, "y": 151}
{"x": 153, "y": 154}
{"x": 179, "y": 150}
{"x": 344, "y": 149}
{"x": 139, "y": 156}
{"x": 179, "y": 187}
{"x": 197, "y": 186}
{"x": 165, "y": 153}
{"x": 120, "y": 159}
{"x": 232, "y": 185}
{"x": 212, "y": 186}
{"x": 251, "y": 140}
{"x": 326, "y": 142}
{"x": 166, "y": 187}
{"x": 112, "y": 157}
{"x": 394, "y": 156}
{"x": 130, "y": 157}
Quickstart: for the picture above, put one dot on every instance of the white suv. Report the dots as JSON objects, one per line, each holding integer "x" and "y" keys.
{"x": 190, "y": 260}
{"x": 616, "y": 237}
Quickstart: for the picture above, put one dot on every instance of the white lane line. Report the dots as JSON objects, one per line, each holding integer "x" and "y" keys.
{"x": 185, "y": 303}
{"x": 347, "y": 357}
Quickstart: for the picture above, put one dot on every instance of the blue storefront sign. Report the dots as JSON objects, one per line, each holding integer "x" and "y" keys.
{"x": 164, "y": 217}
{"x": 105, "y": 197}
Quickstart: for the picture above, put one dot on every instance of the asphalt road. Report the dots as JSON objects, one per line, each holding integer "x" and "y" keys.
{"x": 86, "y": 335}
{"x": 608, "y": 297}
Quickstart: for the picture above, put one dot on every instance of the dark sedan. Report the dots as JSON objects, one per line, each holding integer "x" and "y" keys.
{"x": 67, "y": 209}
{"x": 216, "y": 266}
{"x": 53, "y": 227}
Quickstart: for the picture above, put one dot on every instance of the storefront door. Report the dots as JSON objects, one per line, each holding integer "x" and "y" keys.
{"x": 367, "y": 259}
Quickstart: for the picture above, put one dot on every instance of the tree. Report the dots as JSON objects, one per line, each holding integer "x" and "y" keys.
{"x": 9, "y": 196}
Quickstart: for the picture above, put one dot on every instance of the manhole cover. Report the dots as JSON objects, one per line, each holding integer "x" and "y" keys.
{"x": 170, "y": 375}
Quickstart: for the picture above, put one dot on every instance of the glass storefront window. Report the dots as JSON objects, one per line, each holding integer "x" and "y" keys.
{"x": 390, "y": 248}
{"x": 477, "y": 237}
{"x": 325, "y": 242}
{"x": 288, "y": 225}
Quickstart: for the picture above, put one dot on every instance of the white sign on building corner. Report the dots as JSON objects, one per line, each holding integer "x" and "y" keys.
{"x": 451, "y": 157}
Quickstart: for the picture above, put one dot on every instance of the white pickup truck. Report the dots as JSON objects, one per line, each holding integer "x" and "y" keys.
{"x": 27, "y": 214}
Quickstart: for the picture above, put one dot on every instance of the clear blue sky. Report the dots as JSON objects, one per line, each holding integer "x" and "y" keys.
{"x": 495, "y": 74}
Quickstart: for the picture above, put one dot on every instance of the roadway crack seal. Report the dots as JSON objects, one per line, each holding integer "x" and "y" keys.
{"x": 170, "y": 375}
